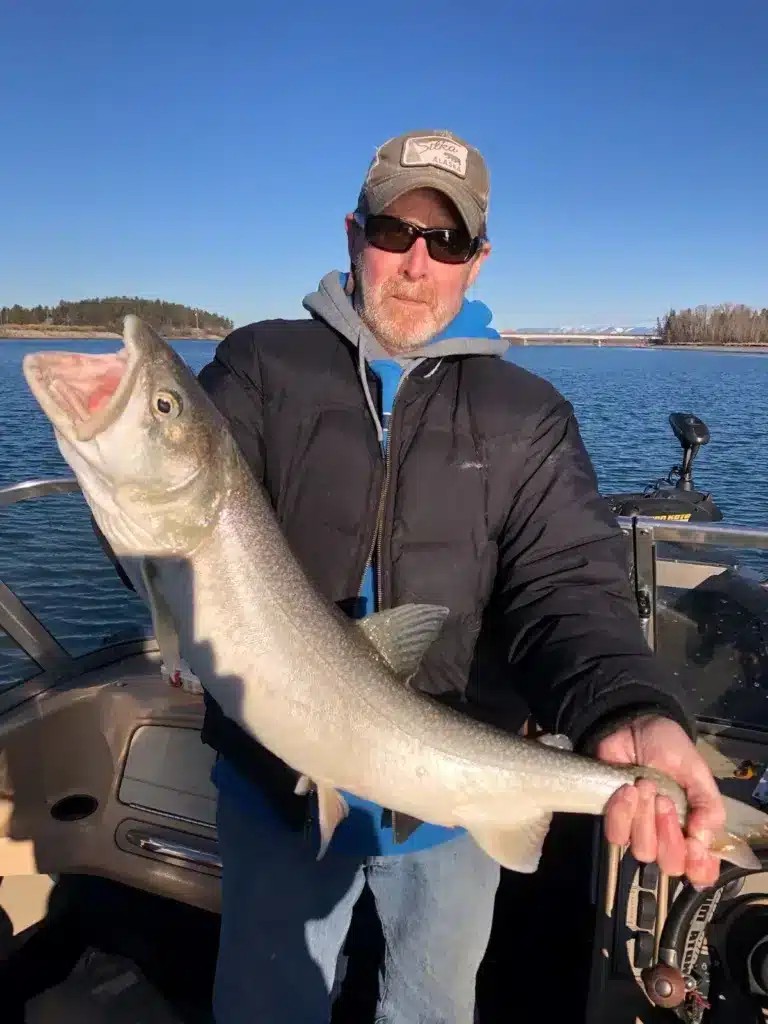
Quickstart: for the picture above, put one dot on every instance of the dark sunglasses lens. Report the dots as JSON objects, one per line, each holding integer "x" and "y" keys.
{"x": 445, "y": 245}
{"x": 450, "y": 246}
{"x": 388, "y": 233}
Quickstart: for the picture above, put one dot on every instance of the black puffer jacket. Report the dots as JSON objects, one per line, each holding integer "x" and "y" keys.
{"x": 489, "y": 506}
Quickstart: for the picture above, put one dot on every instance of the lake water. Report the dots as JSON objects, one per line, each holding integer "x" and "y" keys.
{"x": 622, "y": 398}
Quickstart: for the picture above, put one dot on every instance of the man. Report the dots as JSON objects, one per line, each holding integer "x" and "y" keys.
{"x": 407, "y": 462}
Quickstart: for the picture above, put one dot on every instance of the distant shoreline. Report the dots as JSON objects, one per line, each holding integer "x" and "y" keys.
{"x": 21, "y": 332}
{"x": 24, "y": 332}
{"x": 737, "y": 350}
{"x": 625, "y": 342}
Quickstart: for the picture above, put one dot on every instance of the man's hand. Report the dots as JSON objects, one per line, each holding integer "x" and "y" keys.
{"x": 636, "y": 815}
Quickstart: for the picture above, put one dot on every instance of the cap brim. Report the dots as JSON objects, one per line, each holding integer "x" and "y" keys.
{"x": 382, "y": 195}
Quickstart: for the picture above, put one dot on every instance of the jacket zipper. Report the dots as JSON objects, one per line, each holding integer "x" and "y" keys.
{"x": 376, "y": 541}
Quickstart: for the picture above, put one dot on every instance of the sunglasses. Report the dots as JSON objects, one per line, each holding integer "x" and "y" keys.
{"x": 444, "y": 245}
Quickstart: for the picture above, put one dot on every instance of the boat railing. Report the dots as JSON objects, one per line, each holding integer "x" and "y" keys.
{"x": 25, "y": 629}
{"x": 37, "y": 489}
{"x": 644, "y": 533}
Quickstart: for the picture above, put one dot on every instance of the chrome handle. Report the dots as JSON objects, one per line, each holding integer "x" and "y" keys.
{"x": 170, "y": 848}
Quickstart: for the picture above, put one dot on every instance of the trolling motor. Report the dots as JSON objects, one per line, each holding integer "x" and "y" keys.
{"x": 675, "y": 496}
{"x": 692, "y": 433}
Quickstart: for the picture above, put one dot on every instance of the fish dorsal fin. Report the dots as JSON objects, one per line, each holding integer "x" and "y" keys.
{"x": 402, "y": 635}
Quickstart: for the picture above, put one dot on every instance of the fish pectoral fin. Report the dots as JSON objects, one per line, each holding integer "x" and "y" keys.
{"x": 403, "y": 826}
{"x": 332, "y": 809}
{"x": 402, "y": 635}
{"x": 516, "y": 847}
{"x": 163, "y": 625}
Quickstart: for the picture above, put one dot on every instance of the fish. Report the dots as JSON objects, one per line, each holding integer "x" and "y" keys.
{"x": 332, "y": 697}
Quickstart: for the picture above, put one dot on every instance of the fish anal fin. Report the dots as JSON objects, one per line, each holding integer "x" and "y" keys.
{"x": 516, "y": 846}
{"x": 332, "y": 809}
{"x": 403, "y": 826}
{"x": 402, "y": 635}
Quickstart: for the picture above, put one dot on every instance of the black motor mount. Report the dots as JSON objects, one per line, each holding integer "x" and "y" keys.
{"x": 674, "y": 497}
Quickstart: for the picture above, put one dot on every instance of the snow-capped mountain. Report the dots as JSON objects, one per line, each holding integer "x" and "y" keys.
{"x": 606, "y": 329}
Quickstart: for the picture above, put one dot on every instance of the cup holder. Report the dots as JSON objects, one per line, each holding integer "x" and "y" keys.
{"x": 74, "y": 807}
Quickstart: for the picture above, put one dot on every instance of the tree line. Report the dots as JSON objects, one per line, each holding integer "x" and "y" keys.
{"x": 108, "y": 314}
{"x": 726, "y": 324}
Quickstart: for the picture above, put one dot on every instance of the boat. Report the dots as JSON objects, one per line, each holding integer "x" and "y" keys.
{"x": 110, "y": 872}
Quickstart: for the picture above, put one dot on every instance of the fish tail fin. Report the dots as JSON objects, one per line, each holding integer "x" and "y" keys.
{"x": 735, "y": 850}
{"x": 746, "y": 830}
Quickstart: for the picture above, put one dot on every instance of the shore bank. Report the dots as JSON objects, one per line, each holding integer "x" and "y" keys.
{"x": 24, "y": 332}
{"x": 754, "y": 350}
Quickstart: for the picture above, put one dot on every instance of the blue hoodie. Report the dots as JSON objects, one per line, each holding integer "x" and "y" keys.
{"x": 366, "y": 830}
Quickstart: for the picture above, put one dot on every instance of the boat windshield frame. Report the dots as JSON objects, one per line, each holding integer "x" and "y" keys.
{"x": 56, "y": 665}
{"x": 644, "y": 533}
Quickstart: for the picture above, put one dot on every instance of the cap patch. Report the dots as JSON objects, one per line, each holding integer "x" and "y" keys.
{"x": 435, "y": 151}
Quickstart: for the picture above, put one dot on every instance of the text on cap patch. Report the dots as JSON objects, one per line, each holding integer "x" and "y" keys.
{"x": 435, "y": 151}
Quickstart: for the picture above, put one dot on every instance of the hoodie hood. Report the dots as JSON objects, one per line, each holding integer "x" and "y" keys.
{"x": 469, "y": 333}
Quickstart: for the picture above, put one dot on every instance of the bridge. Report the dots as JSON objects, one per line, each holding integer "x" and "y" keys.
{"x": 629, "y": 340}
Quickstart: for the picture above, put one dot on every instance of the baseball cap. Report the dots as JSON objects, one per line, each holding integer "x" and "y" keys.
{"x": 430, "y": 159}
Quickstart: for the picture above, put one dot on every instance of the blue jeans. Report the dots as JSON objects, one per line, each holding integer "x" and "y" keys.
{"x": 285, "y": 917}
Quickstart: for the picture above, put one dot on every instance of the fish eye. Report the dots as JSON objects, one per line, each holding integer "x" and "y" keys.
{"x": 166, "y": 405}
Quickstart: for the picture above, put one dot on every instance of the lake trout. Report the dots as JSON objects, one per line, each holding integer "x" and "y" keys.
{"x": 197, "y": 534}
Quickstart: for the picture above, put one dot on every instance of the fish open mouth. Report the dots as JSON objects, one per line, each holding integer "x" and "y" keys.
{"x": 82, "y": 394}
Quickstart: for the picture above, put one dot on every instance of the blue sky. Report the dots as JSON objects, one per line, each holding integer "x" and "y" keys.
{"x": 207, "y": 152}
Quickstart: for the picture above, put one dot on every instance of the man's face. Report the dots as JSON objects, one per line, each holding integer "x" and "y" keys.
{"x": 405, "y": 299}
